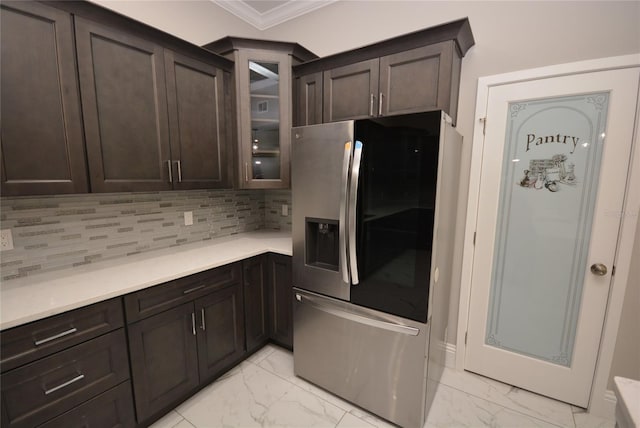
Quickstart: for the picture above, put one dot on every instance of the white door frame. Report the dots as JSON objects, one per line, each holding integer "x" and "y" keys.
{"x": 601, "y": 402}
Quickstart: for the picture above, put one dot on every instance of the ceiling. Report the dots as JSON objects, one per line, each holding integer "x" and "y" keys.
{"x": 263, "y": 14}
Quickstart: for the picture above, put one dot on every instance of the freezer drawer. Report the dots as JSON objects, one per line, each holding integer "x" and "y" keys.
{"x": 374, "y": 360}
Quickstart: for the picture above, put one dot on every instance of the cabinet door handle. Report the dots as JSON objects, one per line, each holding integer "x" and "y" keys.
{"x": 193, "y": 323}
{"x": 191, "y": 290}
{"x": 179, "y": 164}
{"x": 202, "y": 325}
{"x": 371, "y": 101}
{"x": 62, "y": 385}
{"x": 380, "y": 104}
{"x": 246, "y": 171}
{"x": 56, "y": 336}
{"x": 170, "y": 171}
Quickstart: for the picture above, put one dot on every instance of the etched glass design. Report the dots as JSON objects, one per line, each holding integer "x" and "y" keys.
{"x": 548, "y": 189}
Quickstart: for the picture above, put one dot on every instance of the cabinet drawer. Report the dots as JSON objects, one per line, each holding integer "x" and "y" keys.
{"x": 154, "y": 300}
{"x": 112, "y": 409}
{"x": 39, "y": 391}
{"x": 24, "y": 344}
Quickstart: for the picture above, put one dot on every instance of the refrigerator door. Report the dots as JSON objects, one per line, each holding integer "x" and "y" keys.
{"x": 320, "y": 163}
{"x": 369, "y": 358}
{"x": 395, "y": 213}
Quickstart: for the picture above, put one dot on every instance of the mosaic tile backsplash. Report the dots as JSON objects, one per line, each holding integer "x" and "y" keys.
{"x": 63, "y": 231}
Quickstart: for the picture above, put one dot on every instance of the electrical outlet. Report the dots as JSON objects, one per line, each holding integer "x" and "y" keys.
{"x": 188, "y": 218}
{"x": 6, "y": 240}
{"x": 285, "y": 210}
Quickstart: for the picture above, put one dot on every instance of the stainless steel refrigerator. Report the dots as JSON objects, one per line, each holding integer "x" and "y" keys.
{"x": 374, "y": 212}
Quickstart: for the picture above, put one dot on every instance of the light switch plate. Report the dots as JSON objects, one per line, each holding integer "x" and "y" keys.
{"x": 188, "y": 218}
{"x": 285, "y": 210}
{"x": 6, "y": 240}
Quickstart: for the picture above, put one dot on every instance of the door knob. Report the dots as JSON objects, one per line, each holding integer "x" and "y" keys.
{"x": 598, "y": 269}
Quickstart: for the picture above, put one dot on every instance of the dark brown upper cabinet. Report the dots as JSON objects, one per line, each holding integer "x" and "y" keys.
{"x": 263, "y": 108}
{"x": 42, "y": 147}
{"x": 197, "y": 121}
{"x": 350, "y": 91}
{"x": 415, "y": 72}
{"x": 124, "y": 103}
{"x": 308, "y": 99}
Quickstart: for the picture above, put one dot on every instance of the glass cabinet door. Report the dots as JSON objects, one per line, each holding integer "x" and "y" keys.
{"x": 265, "y": 118}
{"x": 264, "y": 82}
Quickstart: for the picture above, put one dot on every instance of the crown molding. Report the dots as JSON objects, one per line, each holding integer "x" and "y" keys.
{"x": 262, "y": 21}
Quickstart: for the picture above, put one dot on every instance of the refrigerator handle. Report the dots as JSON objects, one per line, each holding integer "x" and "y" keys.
{"x": 353, "y": 200}
{"x": 342, "y": 232}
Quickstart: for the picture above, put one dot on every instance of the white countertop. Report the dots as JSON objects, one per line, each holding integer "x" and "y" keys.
{"x": 28, "y": 299}
{"x": 628, "y": 401}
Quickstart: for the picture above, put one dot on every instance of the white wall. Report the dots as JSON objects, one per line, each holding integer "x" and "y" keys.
{"x": 196, "y": 21}
{"x": 626, "y": 357}
{"x": 509, "y": 36}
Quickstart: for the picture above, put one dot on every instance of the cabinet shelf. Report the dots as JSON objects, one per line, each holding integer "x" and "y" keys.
{"x": 266, "y": 153}
{"x": 264, "y": 96}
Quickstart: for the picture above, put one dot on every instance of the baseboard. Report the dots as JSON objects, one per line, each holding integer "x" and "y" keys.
{"x": 450, "y": 356}
{"x": 605, "y": 406}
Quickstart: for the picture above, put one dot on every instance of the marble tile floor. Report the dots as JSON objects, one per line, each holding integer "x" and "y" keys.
{"x": 262, "y": 391}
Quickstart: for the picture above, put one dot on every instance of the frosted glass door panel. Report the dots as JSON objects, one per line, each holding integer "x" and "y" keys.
{"x": 552, "y": 157}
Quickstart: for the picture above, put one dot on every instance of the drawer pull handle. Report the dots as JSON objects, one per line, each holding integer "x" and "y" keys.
{"x": 191, "y": 290}
{"x": 62, "y": 385}
{"x": 56, "y": 336}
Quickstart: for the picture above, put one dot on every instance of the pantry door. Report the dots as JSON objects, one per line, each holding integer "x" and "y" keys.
{"x": 554, "y": 169}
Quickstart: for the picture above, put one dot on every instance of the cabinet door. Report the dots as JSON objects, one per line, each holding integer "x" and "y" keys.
{"x": 111, "y": 409}
{"x": 37, "y": 392}
{"x": 42, "y": 149}
{"x": 264, "y": 90}
{"x": 125, "y": 110}
{"x": 255, "y": 301}
{"x": 416, "y": 80}
{"x": 308, "y": 106}
{"x": 195, "y": 94}
{"x": 351, "y": 92}
{"x": 164, "y": 359}
{"x": 220, "y": 331}
{"x": 280, "y": 299}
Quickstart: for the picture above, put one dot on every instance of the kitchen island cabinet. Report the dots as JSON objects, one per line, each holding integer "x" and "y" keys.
{"x": 42, "y": 149}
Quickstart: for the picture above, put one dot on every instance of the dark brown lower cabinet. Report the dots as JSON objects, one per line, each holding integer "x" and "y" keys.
{"x": 221, "y": 331}
{"x": 254, "y": 276}
{"x": 111, "y": 409}
{"x": 176, "y": 351}
{"x": 37, "y": 392}
{"x": 164, "y": 359}
{"x": 280, "y": 300}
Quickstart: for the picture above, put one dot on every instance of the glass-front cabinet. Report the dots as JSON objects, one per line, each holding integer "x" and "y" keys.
{"x": 265, "y": 118}
{"x": 263, "y": 108}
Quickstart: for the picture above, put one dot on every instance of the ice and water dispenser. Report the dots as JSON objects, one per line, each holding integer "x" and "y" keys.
{"x": 322, "y": 241}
